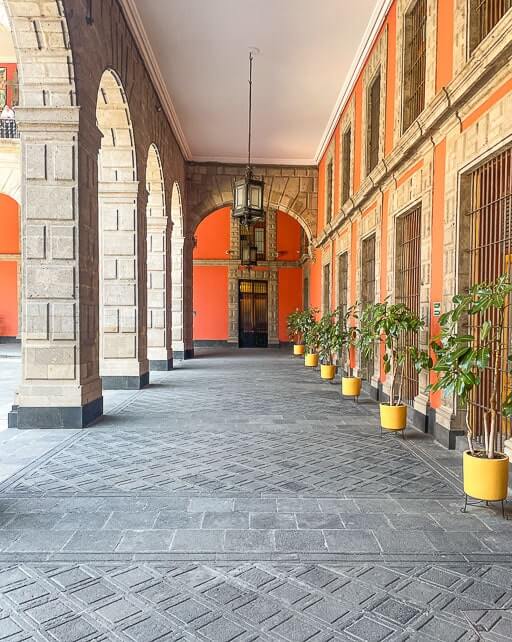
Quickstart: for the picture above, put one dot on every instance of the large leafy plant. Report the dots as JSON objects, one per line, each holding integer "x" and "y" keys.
{"x": 299, "y": 322}
{"x": 393, "y": 324}
{"x": 312, "y": 338}
{"x": 330, "y": 338}
{"x": 347, "y": 319}
{"x": 462, "y": 359}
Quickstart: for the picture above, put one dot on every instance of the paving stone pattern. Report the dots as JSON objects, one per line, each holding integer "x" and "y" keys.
{"x": 196, "y": 510}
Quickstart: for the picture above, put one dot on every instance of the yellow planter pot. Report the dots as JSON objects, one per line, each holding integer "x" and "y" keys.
{"x": 327, "y": 372}
{"x": 298, "y": 350}
{"x": 485, "y": 479}
{"x": 351, "y": 386}
{"x": 393, "y": 417}
{"x": 311, "y": 360}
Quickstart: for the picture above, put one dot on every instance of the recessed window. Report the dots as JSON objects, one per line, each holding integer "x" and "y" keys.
{"x": 343, "y": 281}
{"x": 253, "y": 237}
{"x": 415, "y": 49}
{"x": 327, "y": 289}
{"x": 484, "y": 15}
{"x": 346, "y": 150}
{"x": 373, "y": 124}
{"x": 329, "y": 177}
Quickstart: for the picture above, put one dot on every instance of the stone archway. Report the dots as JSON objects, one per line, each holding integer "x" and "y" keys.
{"x": 178, "y": 278}
{"x": 158, "y": 273}
{"x": 123, "y": 362}
{"x": 54, "y": 391}
{"x": 293, "y": 190}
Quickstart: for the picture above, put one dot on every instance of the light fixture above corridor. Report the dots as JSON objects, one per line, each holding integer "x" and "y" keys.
{"x": 248, "y": 191}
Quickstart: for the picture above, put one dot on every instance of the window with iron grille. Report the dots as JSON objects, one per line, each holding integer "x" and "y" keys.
{"x": 415, "y": 49}
{"x": 329, "y": 180}
{"x": 488, "y": 225}
{"x": 326, "y": 304}
{"x": 407, "y": 287}
{"x": 343, "y": 281}
{"x": 254, "y": 236}
{"x": 373, "y": 124}
{"x": 367, "y": 293}
{"x": 346, "y": 165}
{"x": 484, "y": 15}
{"x": 306, "y": 293}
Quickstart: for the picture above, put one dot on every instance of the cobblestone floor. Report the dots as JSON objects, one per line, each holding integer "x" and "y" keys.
{"x": 197, "y": 509}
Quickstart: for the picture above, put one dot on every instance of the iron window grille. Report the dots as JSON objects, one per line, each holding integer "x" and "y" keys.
{"x": 407, "y": 287}
{"x": 368, "y": 295}
{"x": 327, "y": 289}
{"x": 343, "y": 282}
{"x": 329, "y": 179}
{"x": 488, "y": 223}
{"x": 484, "y": 15}
{"x": 415, "y": 55}
{"x": 346, "y": 165}
{"x": 373, "y": 124}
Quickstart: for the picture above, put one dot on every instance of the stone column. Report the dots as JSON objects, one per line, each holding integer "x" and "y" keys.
{"x": 60, "y": 386}
{"x": 177, "y": 303}
{"x": 159, "y": 326}
{"x": 121, "y": 364}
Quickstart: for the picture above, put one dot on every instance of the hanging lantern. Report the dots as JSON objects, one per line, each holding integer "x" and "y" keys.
{"x": 248, "y": 191}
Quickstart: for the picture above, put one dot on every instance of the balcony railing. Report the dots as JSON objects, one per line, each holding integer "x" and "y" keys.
{"x": 8, "y": 128}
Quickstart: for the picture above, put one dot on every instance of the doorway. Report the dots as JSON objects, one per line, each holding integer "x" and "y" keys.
{"x": 253, "y": 314}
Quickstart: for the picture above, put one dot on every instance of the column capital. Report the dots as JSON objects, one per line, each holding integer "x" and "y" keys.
{"x": 45, "y": 119}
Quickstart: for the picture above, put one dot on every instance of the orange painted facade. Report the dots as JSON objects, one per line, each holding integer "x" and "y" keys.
{"x": 9, "y": 258}
{"x": 408, "y": 177}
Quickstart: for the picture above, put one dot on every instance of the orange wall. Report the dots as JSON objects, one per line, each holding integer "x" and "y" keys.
{"x": 9, "y": 226}
{"x": 9, "y": 244}
{"x": 444, "y": 60}
{"x": 288, "y": 237}
{"x": 8, "y": 299}
{"x": 11, "y": 76}
{"x": 212, "y": 236}
{"x": 210, "y": 302}
{"x": 289, "y": 283}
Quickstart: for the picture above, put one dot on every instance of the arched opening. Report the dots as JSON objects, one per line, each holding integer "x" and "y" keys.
{"x": 158, "y": 277}
{"x": 123, "y": 362}
{"x": 10, "y": 269}
{"x": 246, "y": 306}
{"x": 179, "y": 348}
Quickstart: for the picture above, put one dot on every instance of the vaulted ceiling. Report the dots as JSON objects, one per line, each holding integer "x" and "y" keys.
{"x": 198, "y": 54}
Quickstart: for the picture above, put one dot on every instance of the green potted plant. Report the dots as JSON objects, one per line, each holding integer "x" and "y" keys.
{"x": 298, "y": 323}
{"x": 350, "y": 384}
{"x": 330, "y": 341}
{"x": 388, "y": 322}
{"x": 462, "y": 359}
{"x": 312, "y": 340}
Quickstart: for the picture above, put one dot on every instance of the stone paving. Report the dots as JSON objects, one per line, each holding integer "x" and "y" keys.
{"x": 197, "y": 510}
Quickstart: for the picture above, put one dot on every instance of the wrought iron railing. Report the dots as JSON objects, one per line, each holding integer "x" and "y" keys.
{"x": 8, "y": 128}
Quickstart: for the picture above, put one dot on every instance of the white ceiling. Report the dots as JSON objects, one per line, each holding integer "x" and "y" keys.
{"x": 198, "y": 51}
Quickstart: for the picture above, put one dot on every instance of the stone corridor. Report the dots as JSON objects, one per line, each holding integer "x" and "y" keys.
{"x": 195, "y": 510}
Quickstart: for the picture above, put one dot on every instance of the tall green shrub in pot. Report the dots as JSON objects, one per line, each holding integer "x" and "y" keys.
{"x": 389, "y": 323}
{"x": 330, "y": 341}
{"x": 462, "y": 360}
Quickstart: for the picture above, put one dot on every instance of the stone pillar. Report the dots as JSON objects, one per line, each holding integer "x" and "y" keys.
{"x": 159, "y": 326}
{"x": 177, "y": 302}
{"x": 60, "y": 386}
{"x": 121, "y": 363}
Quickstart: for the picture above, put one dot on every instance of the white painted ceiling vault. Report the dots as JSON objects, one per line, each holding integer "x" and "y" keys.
{"x": 197, "y": 52}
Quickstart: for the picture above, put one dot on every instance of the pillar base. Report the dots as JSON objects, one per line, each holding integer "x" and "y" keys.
{"x": 64, "y": 417}
{"x": 160, "y": 365}
{"x": 121, "y": 382}
{"x": 182, "y": 355}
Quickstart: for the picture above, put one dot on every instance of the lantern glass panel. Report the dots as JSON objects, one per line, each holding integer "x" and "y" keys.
{"x": 240, "y": 196}
{"x": 255, "y": 198}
